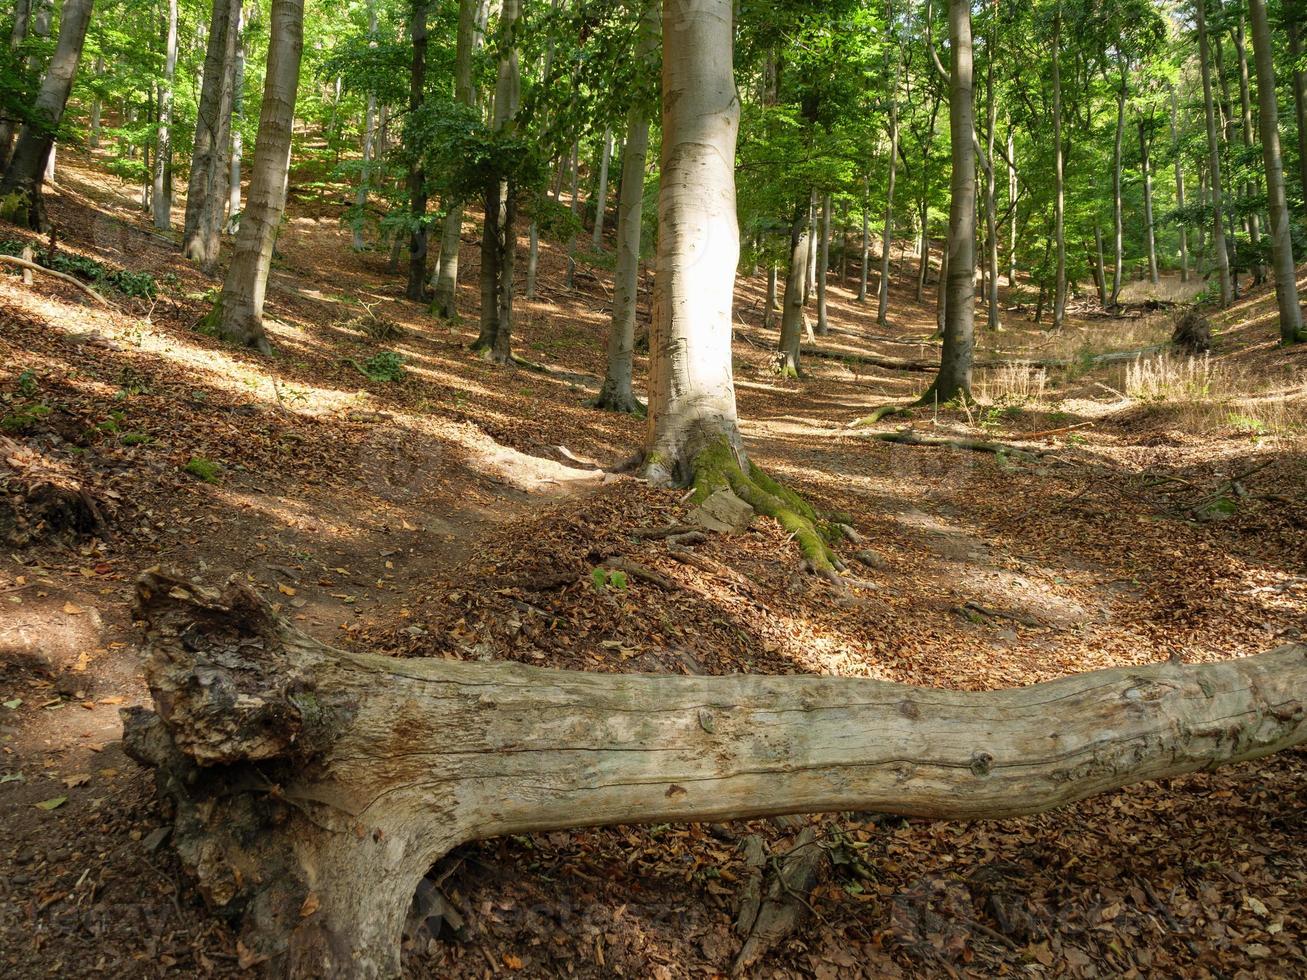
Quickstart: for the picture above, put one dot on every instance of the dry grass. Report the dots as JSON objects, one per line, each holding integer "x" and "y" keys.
{"x": 1169, "y": 290}
{"x": 1015, "y": 383}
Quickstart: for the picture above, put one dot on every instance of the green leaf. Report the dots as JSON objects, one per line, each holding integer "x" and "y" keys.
{"x": 11, "y": 777}
{"x": 51, "y": 804}
{"x": 14, "y": 705}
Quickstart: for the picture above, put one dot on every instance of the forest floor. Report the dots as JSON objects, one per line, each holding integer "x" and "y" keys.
{"x": 1143, "y": 511}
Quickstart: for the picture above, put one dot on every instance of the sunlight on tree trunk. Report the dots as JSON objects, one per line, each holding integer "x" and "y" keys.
{"x": 1213, "y": 158}
{"x": 202, "y": 233}
{"x": 162, "y": 197}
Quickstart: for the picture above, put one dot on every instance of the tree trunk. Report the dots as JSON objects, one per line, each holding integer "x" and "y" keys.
{"x": 887, "y": 235}
{"x": 238, "y": 317}
{"x": 823, "y": 265}
{"x": 1118, "y": 219}
{"x": 954, "y": 379}
{"x": 601, "y": 195}
{"x": 237, "y": 121}
{"x": 370, "y": 142}
{"x": 1213, "y": 156}
{"x": 97, "y": 109}
{"x": 1179, "y": 190}
{"x": 1012, "y": 207}
{"x": 22, "y": 23}
{"x": 1101, "y": 278}
{"x": 446, "y": 285}
{"x": 787, "y": 361}
{"x": 617, "y": 394}
{"x": 162, "y": 196}
{"x": 26, "y": 173}
{"x": 1250, "y": 189}
{"x": 417, "y": 177}
{"x": 864, "y": 274}
{"x": 1059, "y": 179}
{"x": 991, "y": 185}
{"x": 574, "y": 206}
{"x": 1293, "y": 26}
{"x": 202, "y": 233}
{"x": 1286, "y": 287}
{"x": 810, "y": 262}
{"x": 691, "y": 387}
{"x": 499, "y": 235}
{"x": 314, "y": 788}
{"x": 1146, "y": 170}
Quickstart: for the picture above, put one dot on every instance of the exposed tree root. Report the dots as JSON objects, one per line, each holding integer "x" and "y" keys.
{"x": 767, "y": 919}
{"x": 973, "y": 610}
{"x": 612, "y": 400}
{"x": 717, "y": 469}
{"x": 875, "y": 360}
{"x": 883, "y": 412}
{"x": 33, "y": 267}
{"x": 910, "y": 437}
{"x": 645, "y": 574}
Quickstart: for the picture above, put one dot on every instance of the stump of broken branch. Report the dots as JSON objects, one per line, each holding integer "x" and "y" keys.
{"x": 312, "y": 788}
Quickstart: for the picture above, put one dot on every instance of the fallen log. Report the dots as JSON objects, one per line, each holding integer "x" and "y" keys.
{"x": 875, "y": 360}
{"x": 313, "y": 788}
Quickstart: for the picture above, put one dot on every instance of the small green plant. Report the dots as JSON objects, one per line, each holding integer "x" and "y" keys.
{"x": 382, "y": 368}
{"x": 27, "y": 384}
{"x": 113, "y": 424}
{"x": 136, "y": 439}
{"x": 203, "y": 469}
{"x": 604, "y": 579}
{"x": 24, "y": 419}
{"x": 1246, "y": 425}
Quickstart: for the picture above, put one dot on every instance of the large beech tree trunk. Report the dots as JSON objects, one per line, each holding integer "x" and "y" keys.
{"x": 954, "y": 378}
{"x": 1059, "y": 179}
{"x": 1286, "y": 285}
{"x": 238, "y": 317}
{"x": 202, "y": 233}
{"x": 787, "y": 361}
{"x": 25, "y": 176}
{"x": 417, "y": 176}
{"x": 162, "y": 197}
{"x": 691, "y": 386}
{"x": 1293, "y": 27}
{"x": 1179, "y": 191}
{"x": 314, "y": 788}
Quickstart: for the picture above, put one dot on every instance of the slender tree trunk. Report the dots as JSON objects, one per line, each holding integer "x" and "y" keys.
{"x": 385, "y": 764}
{"x": 1213, "y": 155}
{"x": 866, "y": 246}
{"x": 991, "y": 178}
{"x": 201, "y": 237}
{"x": 369, "y": 143}
{"x": 237, "y": 122}
{"x": 22, "y": 183}
{"x": 22, "y": 23}
{"x": 417, "y": 177}
{"x": 1101, "y": 277}
{"x": 499, "y": 235}
{"x": 1012, "y": 207}
{"x": 162, "y": 196}
{"x": 792, "y": 305}
{"x": 468, "y": 41}
{"x": 923, "y": 264}
{"x": 887, "y": 235}
{"x": 1294, "y": 28}
{"x": 954, "y": 378}
{"x": 941, "y": 287}
{"x": 823, "y": 265}
{"x": 1118, "y": 219}
{"x": 1059, "y": 179}
{"x": 1147, "y": 172}
{"x": 574, "y": 206}
{"x": 617, "y": 394}
{"x": 691, "y": 387}
{"x": 1251, "y": 189}
{"x": 769, "y": 315}
{"x": 601, "y": 195}
{"x": 1286, "y": 287}
{"x": 238, "y": 317}
{"x": 97, "y": 109}
{"x": 1179, "y": 190}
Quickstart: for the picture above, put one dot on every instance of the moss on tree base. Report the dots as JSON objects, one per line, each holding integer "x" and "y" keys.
{"x": 717, "y": 468}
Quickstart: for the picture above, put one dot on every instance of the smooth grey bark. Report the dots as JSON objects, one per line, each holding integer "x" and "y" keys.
{"x": 313, "y": 788}
{"x": 792, "y": 315}
{"x": 237, "y": 121}
{"x": 1118, "y": 218}
{"x": 23, "y": 180}
{"x": 238, "y": 317}
{"x": 201, "y": 236}
{"x": 1012, "y": 206}
{"x": 575, "y": 208}
{"x": 1294, "y": 28}
{"x": 369, "y": 143}
{"x": 1100, "y": 278}
{"x": 1286, "y": 286}
{"x": 823, "y": 265}
{"x": 810, "y": 261}
{"x": 601, "y": 195}
{"x": 691, "y": 385}
{"x": 419, "y": 233}
{"x": 769, "y": 314}
{"x": 617, "y": 393}
{"x": 1179, "y": 189}
{"x": 466, "y": 44}
{"x": 954, "y": 379}
{"x": 97, "y": 110}
{"x": 1213, "y": 156}
{"x": 1149, "y": 233}
{"x": 1059, "y": 179}
{"x": 1251, "y": 189}
{"x": 162, "y": 196}
{"x": 499, "y": 234}
{"x": 882, "y": 298}
{"x": 865, "y": 272}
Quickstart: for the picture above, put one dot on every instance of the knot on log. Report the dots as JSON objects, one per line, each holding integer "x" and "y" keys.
{"x": 228, "y": 676}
